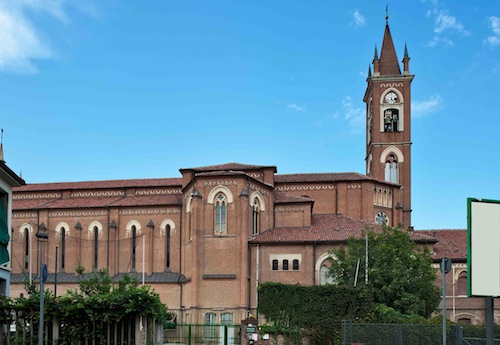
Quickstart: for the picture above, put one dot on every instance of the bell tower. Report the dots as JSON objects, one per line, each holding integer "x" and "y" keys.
{"x": 388, "y": 124}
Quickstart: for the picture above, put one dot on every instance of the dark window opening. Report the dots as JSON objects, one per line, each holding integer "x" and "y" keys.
{"x": 285, "y": 265}
{"x": 167, "y": 245}
{"x": 63, "y": 248}
{"x": 96, "y": 247}
{"x": 275, "y": 265}
{"x": 26, "y": 248}
{"x": 391, "y": 120}
{"x": 134, "y": 245}
{"x": 295, "y": 265}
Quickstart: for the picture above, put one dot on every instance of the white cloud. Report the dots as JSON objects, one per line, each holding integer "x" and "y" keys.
{"x": 445, "y": 22}
{"x": 20, "y": 41}
{"x": 436, "y": 40}
{"x": 358, "y": 18}
{"x": 296, "y": 107}
{"x": 422, "y": 108}
{"x": 355, "y": 116}
{"x": 495, "y": 27}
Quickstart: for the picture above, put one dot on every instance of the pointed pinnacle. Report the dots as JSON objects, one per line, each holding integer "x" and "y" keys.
{"x": 375, "y": 55}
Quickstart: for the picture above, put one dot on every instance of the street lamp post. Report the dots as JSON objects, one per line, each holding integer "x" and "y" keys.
{"x": 41, "y": 235}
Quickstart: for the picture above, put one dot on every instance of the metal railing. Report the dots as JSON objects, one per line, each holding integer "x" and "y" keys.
{"x": 209, "y": 334}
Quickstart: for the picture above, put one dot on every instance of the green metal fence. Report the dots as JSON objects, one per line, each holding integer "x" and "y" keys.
{"x": 208, "y": 334}
{"x": 399, "y": 334}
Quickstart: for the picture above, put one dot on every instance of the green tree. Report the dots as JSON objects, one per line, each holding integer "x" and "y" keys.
{"x": 400, "y": 272}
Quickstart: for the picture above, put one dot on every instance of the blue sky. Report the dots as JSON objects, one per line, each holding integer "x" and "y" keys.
{"x": 96, "y": 90}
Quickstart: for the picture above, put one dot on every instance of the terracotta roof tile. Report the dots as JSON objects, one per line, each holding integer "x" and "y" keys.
{"x": 154, "y": 200}
{"x": 139, "y": 183}
{"x": 325, "y": 177}
{"x": 220, "y": 173}
{"x": 230, "y": 166}
{"x": 31, "y": 204}
{"x": 324, "y": 228}
{"x": 451, "y": 244}
{"x": 91, "y": 202}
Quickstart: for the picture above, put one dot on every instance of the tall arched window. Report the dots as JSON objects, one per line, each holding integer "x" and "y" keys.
{"x": 96, "y": 247}
{"x": 26, "y": 248}
{"x": 325, "y": 277}
{"x": 462, "y": 284}
{"x": 167, "y": 247}
{"x": 255, "y": 216}
{"x": 63, "y": 248}
{"x": 391, "y": 169}
{"x": 134, "y": 245}
{"x": 220, "y": 213}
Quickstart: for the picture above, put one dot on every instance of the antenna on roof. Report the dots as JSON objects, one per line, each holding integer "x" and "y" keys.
{"x": 1, "y": 147}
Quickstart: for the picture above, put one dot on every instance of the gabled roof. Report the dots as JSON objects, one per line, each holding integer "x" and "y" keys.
{"x": 229, "y": 167}
{"x": 451, "y": 244}
{"x": 389, "y": 65}
{"x": 9, "y": 176}
{"x": 133, "y": 183}
{"x": 325, "y": 228}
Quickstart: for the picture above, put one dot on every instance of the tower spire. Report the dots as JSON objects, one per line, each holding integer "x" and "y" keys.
{"x": 389, "y": 65}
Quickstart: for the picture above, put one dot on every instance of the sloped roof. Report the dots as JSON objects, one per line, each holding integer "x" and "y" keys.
{"x": 451, "y": 243}
{"x": 389, "y": 65}
{"x": 106, "y": 184}
{"x": 324, "y": 228}
{"x": 93, "y": 202}
{"x": 229, "y": 166}
{"x": 324, "y": 177}
{"x": 31, "y": 204}
{"x": 9, "y": 176}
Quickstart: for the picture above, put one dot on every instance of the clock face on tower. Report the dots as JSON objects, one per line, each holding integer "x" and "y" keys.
{"x": 391, "y": 97}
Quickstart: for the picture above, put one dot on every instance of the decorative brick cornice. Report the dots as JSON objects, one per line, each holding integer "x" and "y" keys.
{"x": 288, "y": 209}
{"x": 36, "y": 196}
{"x": 63, "y": 214}
{"x": 306, "y": 187}
{"x": 353, "y": 186}
{"x": 391, "y": 85}
{"x": 19, "y": 215}
{"x": 256, "y": 175}
{"x": 258, "y": 189}
{"x": 220, "y": 183}
{"x": 149, "y": 211}
{"x": 158, "y": 191}
{"x": 97, "y": 194}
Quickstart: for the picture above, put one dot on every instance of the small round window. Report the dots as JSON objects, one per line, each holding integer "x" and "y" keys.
{"x": 381, "y": 218}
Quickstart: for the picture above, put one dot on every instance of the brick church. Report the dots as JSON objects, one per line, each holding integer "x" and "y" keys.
{"x": 205, "y": 240}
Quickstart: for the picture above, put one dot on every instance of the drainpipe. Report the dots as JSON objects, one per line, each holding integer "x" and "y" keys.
{"x": 257, "y": 268}
{"x": 314, "y": 263}
{"x": 107, "y": 244}
{"x": 180, "y": 266}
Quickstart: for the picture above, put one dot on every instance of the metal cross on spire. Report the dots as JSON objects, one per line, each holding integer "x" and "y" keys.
{"x": 387, "y": 14}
